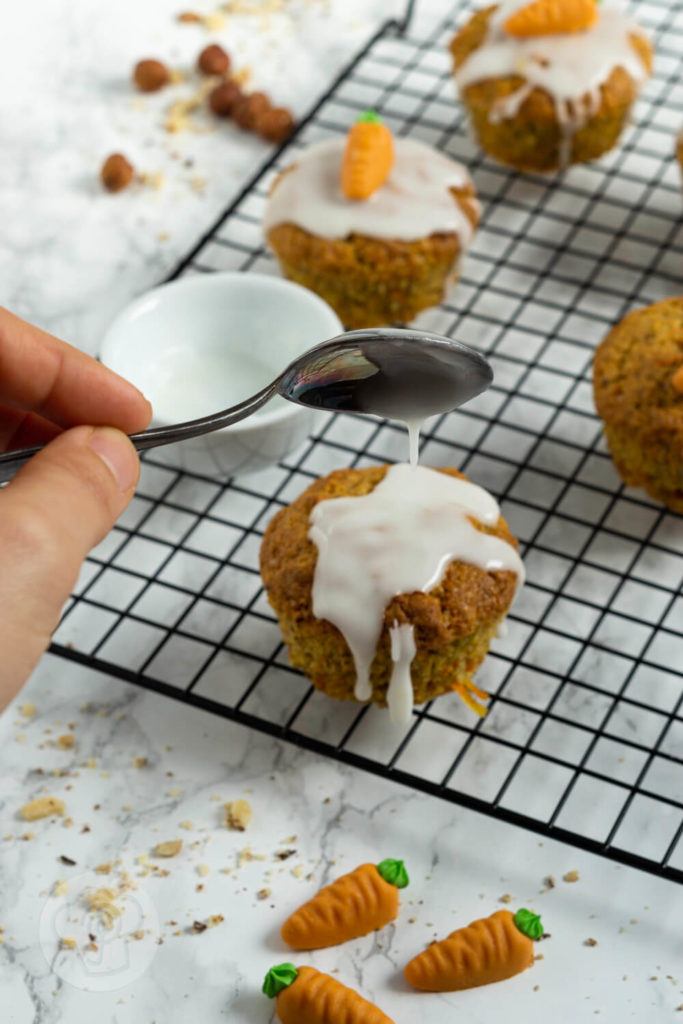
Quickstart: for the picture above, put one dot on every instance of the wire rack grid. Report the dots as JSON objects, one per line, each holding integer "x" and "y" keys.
{"x": 584, "y": 737}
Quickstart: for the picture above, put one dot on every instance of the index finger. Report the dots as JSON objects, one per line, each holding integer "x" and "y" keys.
{"x": 41, "y": 374}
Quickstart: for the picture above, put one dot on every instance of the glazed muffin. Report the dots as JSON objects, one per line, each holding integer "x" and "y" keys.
{"x": 381, "y": 259}
{"x": 451, "y": 624}
{"x": 638, "y": 386}
{"x": 546, "y": 85}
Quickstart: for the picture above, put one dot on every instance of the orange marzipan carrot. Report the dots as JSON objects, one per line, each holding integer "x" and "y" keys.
{"x": 545, "y": 17}
{"x": 315, "y": 998}
{"x": 354, "y": 905}
{"x": 368, "y": 157}
{"x": 488, "y": 950}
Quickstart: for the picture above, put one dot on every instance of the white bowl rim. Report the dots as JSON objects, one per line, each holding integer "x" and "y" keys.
{"x": 265, "y": 417}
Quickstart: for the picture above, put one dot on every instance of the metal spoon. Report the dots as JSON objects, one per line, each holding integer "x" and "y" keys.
{"x": 400, "y": 374}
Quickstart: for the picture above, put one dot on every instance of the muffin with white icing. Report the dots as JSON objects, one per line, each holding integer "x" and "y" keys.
{"x": 376, "y": 258}
{"x": 390, "y": 582}
{"x": 548, "y": 83}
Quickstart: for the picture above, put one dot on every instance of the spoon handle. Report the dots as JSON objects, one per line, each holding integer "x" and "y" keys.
{"x": 11, "y": 462}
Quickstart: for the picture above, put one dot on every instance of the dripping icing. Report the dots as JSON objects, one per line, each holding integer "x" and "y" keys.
{"x": 414, "y": 202}
{"x": 571, "y": 67}
{"x": 398, "y": 539}
{"x": 400, "y": 690}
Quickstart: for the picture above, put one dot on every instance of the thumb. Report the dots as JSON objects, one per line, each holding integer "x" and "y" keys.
{"x": 59, "y": 505}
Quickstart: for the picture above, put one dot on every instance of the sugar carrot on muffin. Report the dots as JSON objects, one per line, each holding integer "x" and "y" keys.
{"x": 305, "y": 996}
{"x": 357, "y": 903}
{"x": 545, "y": 17}
{"x": 490, "y": 949}
{"x": 368, "y": 157}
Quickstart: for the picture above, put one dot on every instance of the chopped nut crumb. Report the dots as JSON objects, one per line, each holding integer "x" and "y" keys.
{"x": 66, "y": 742}
{"x": 214, "y": 920}
{"x": 28, "y": 709}
{"x": 263, "y": 894}
{"x": 238, "y": 814}
{"x": 138, "y": 934}
{"x": 140, "y": 762}
{"x": 539, "y": 956}
{"x": 102, "y": 902}
{"x": 67, "y": 860}
{"x": 187, "y": 825}
{"x": 60, "y": 888}
{"x": 298, "y": 870}
{"x": 42, "y": 807}
{"x": 591, "y": 942}
{"x": 199, "y": 927}
{"x": 571, "y": 876}
{"x": 537, "y": 988}
{"x": 203, "y": 870}
{"x": 104, "y": 869}
{"x": 506, "y": 898}
{"x": 284, "y": 854}
{"x": 28, "y": 835}
{"x": 170, "y": 848}
{"x": 189, "y": 17}
{"x": 66, "y": 942}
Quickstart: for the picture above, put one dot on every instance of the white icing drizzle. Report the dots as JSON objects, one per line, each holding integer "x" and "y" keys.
{"x": 400, "y": 691}
{"x": 413, "y": 203}
{"x": 398, "y": 539}
{"x": 571, "y": 67}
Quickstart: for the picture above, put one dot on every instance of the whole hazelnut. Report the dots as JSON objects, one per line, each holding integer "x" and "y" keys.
{"x": 223, "y": 98}
{"x": 150, "y": 75}
{"x": 116, "y": 173}
{"x": 213, "y": 60}
{"x": 275, "y": 125}
{"x": 249, "y": 109}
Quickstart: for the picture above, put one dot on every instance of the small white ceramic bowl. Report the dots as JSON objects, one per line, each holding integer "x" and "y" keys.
{"x": 201, "y": 344}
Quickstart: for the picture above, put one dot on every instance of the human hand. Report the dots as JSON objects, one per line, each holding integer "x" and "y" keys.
{"x": 67, "y": 498}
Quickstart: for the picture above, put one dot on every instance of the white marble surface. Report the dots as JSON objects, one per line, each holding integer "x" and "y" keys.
{"x": 460, "y": 865}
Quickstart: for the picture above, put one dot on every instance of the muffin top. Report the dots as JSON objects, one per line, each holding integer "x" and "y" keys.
{"x": 465, "y": 598}
{"x": 634, "y": 375}
{"x": 415, "y": 201}
{"x": 568, "y": 66}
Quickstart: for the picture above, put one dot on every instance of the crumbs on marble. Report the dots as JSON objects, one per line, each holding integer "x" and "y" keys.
{"x": 42, "y": 807}
{"x": 103, "y": 902}
{"x": 211, "y": 922}
{"x": 548, "y": 884}
{"x": 169, "y": 848}
{"x": 67, "y": 860}
{"x": 263, "y": 894}
{"x": 505, "y": 898}
{"x": 284, "y": 854}
{"x": 187, "y": 825}
{"x": 238, "y": 815}
{"x": 591, "y": 942}
{"x": 203, "y": 870}
{"x": 66, "y": 742}
{"x": 139, "y": 762}
{"x": 104, "y": 869}
{"x": 571, "y": 876}
{"x": 67, "y": 942}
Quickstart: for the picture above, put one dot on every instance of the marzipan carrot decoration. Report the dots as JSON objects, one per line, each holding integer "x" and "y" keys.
{"x": 487, "y": 950}
{"x": 368, "y": 157}
{"x": 544, "y": 17}
{"x": 305, "y": 996}
{"x": 357, "y": 903}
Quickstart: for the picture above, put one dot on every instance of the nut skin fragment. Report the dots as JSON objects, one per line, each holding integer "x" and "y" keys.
{"x": 170, "y": 848}
{"x": 116, "y": 174}
{"x": 42, "y": 807}
{"x": 224, "y": 98}
{"x": 238, "y": 815}
{"x": 213, "y": 60}
{"x": 150, "y": 75}
{"x": 275, "y": 125}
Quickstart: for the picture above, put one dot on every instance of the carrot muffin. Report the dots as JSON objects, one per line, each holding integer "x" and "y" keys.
{"x": 549, "y": 83}
{"x": 638, "y": 385}
{"x": 390, "y": 582}
{"x": 380, "y": 253}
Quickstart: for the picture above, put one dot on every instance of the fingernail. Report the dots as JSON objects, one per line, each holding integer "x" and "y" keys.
{"x": 118, "y": 455}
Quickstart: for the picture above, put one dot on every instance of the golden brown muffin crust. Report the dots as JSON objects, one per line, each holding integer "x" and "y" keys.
{"x": 467, "y": 597}
{"x": 633, "y": 374}
{"x": 370, "y": 281}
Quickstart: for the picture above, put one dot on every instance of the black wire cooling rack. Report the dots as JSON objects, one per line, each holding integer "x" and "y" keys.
{"x": 584, "y": 737}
